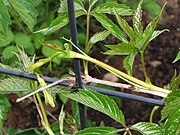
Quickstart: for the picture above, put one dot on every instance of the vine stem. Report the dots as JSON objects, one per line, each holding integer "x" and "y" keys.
{"x": 45, "y": 120}
{"x": 152, "y": 113}
{"x": 122, "y": 75}
{"x": 87, "y": 42}
{"x": 143, "y": 66}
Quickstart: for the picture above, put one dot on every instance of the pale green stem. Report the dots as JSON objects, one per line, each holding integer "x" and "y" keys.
{"x": 143, "y": 66}
{"x": 152, "y": 113}
{"x": 119, "y": 73}
{"x": 87, "y": 42}
{"x": 44, "y": 115}
{"x": 129, "y": 132}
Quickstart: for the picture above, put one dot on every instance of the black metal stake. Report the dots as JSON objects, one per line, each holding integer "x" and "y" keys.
{"x": 77, "y": 67}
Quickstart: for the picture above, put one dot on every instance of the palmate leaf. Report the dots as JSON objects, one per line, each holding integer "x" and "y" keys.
{"x": 100, "y": 36}
{"x": 137, "y": 18}
{"x": 4, "y": 106}
{"x": 146, "y": 128}
{"x": 98, "y": 131}
{"x": 119, "y": 49}
{"x": 125, "y": 26}
{"x": 149, "y": 33}
{"x": 26, "y": 11}
{"x": 172, "y": 124}
{"x": 5, "y": 20}
{"x": 109, "y": 8}
{"x": 14, "y": 85}
{"x": 99, "y": 102}
{"x": 110, "y": 26}
{"x": 59, "y": 23}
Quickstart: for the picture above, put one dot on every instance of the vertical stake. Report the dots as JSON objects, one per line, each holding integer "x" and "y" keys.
{"x": 77, "y": 66}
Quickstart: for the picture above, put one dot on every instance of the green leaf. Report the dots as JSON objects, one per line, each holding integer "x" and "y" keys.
{"x": 149, "y": 33}
{"x": 99, "y": 102}
{"x": 172, "y": 124}
{"x": 137, "y": 18}
{"x": 169, "y": 108}
{"x": 128, "y": 61}
{"x": 26, "y": 11}
{"x": 175, "y": 94}
{"x": 120, "y": 49}
{"x": 100, "y": 36}
{"x": 157, "y": 33}
{"x": 125, "y": 26}
{"x": 61, "y": 119}
{"x": 146, "y": 128}
{"x": 109, "y": 8}
{"x": 7, "y": 40}
{"x": 175, "y": 82}
{"x": 14, "y": 85}
{"x": 48, "y": 98}
{"x": 4, "y": 107}
{"x": 23, "y": 41}
{"x": 5, "y": 20}
{"x": 177, "y": 57}
{"x": 91, "y": 3}
{"x": 59, "y": 23}
{"x": 78, "y": 5}
{"x": 152, "y": 25}
{"x": 110, "y": 26}
{"x": 143, "y": 39}
{"x": 9, "y": 51}
{"x": 98, "y": 131}
{"x": 24, "y": 61}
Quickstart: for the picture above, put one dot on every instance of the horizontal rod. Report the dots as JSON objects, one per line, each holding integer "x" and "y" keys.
{"x": 118, "y": 94}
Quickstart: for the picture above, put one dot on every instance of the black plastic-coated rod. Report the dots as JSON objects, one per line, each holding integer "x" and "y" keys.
{"x": 77, "y": 67}
{"x": 118, "y": 94}
{"x": 122, "y": 95}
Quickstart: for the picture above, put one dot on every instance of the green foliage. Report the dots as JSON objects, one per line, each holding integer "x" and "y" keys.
{"x": 171, "y": 111}
{"x": 152, "y": 6}
{"x": 110, "y": 26}
{"x": 26, "y": 11}
{"x": 100, "y": 36}
{"x": 146, "y": 128}
{"x": 172, "y": 124}
{"x": 4, "y": 19}
{"x": 4, "y": 107}
{"x": 99, "y": 102}
{"x": 139, "y": 38}
{"x": 111, "y": 6}
{"x": 98, "y": 131}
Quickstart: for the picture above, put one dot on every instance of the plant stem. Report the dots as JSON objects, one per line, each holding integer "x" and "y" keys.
{"x": 152, "y": 113}
{"x": 143, "y": 66}
{"x": 87, "y": 42}
{"x": 122, "y": 75}
{"x": 45, "y": 120}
